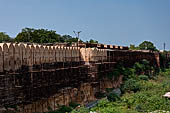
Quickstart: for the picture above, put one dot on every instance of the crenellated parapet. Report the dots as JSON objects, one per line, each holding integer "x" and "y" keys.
{"x": 15, "y": 55}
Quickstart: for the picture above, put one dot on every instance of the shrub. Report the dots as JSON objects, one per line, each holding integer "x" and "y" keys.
{"x": 118, "y": 70}
{"x": 73, "y": 105}
{"x": 131, "y": 85}
{"x": 138, "y": 108}
{"x": 139, "y": 68}
{"x": 113, "y": 97}
{"x": 108, "y": 90}
{"x": 110, "y": 75}
{"x": 143, "y": 77}
{"x": 81, "y": 110}
{"x": 115, "y": 73}
{"x": 129, "y": 73}
{"x": 100, "y": 95}
{"x": 63, "y": 109}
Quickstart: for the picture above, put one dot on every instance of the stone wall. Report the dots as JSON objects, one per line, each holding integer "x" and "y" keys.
{"x": 36, "y": 77}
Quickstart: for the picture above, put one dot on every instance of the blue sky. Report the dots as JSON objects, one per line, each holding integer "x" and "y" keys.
{"x": 119, "y": 22}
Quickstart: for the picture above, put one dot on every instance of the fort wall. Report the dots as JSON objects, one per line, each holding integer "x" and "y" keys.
{"x": 35, "y": 77}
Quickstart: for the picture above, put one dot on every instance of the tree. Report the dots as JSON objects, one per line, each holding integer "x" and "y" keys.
{"x": 25, "y": 35}
{"x": 4, "y": 37}
{"x": 133, "y": 47}
{"x": 66, "y": 38}
{"x": 42, "y": 36}
{"x": 147, "y": 45}
{"x": 38, "y": 36}
{"x": 69, "y": 39}
{"x": 92, "y": 41}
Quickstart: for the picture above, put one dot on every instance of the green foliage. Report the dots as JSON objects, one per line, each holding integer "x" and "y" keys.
{"x": 49, "y": 109}
{"x": 5, "y": 38}
{"x": 62, "y": 109}
{"x": 143, "y": 77}
{"x": 42, "y": 36}
{"x": 129, "y": 73}
{"x": 73, "y": 105}
{"x": 113, "y": 97}
{"x": 164, "y": 63}
{"x": 81, "y": 110}
{"x": 143, "y": 67}
{"x": 100, "y": 95}
{"x": 92, "y": 41}
{"x": 165, "y": 73}
{"x": 119, "y": 70}
{"x": 69, "y": 39}
{"x": 145, "y": 62}
{"x": 147, "y": 45}
{"x": 108, "y": 90}
{"x": 148, "y": 99}
{"x": 115, "y": 73}
{"x": 139, "y": 68}
{"x": 138, "y": 108}
{"x": 133, "y": 47}
{"x": 37, "y": 36}
{"x": 110, "y": 75}
{"x": 131, "y": 85}
{"x": 105, "y": 106}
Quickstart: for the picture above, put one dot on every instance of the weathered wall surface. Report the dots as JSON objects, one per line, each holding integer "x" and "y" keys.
{"x": 36, "y": 77}
{"x": 129, "y": 57}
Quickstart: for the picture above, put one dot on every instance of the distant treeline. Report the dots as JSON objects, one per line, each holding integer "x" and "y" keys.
{"x": 40, "y": 36}
{"x": 50, "y": 36}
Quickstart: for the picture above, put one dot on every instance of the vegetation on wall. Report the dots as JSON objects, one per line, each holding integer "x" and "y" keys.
{"x": 137, "y": 95}
{"x": 142, "y": 67}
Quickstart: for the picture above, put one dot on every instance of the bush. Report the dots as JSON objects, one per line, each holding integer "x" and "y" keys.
{"x": 129, "y": 73}
{"x": 115, "y": 73}
{"x": 131, "y": 85}
{"x": 139, "y": 68}
{"x": 138, "y": 108}
{"x": 143, "y": 77}
{"x": 63, "y": 109}
{"x": 165, "y": 73}
{"x": 112, "y": 97}
{"x": 100, "y": 95}
{"x": 108, "y": 90}
{"x": 81, "y": 110}
{"x": 73, "y": 105}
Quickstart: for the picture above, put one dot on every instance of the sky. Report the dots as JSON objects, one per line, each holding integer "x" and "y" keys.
{"x": 117, "y": 22}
